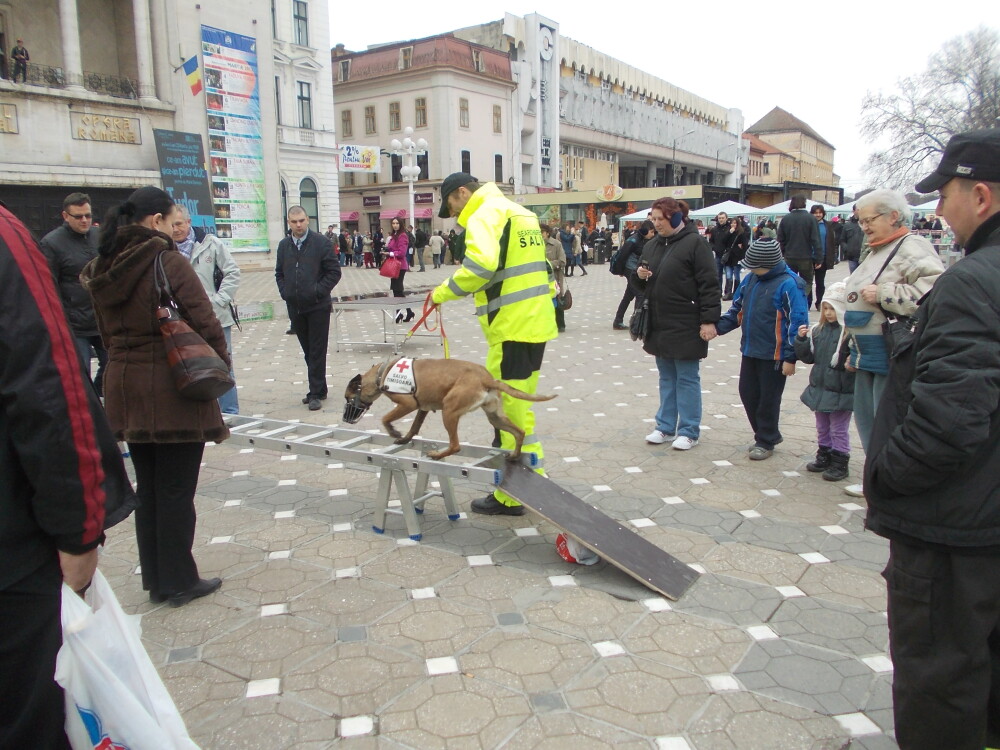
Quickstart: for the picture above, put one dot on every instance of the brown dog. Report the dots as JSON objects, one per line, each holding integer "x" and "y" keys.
{"x": 453, "y": 386}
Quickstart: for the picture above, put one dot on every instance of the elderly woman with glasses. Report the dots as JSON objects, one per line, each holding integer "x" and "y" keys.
{"x": 900, "y": 269}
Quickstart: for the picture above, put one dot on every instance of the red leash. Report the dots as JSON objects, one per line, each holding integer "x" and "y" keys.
{"x": 430, "y": 307}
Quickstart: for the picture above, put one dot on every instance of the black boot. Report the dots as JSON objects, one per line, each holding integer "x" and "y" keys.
{"x": 728, "y": 294}
{"x": 838, "y": 466}
{"x": 822, "y": 462}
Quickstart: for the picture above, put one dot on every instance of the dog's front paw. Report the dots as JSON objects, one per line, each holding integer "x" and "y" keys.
{"x": 400, "y": 439}
{"x": 512, "y": 457}
{"x": 437, "y": 455}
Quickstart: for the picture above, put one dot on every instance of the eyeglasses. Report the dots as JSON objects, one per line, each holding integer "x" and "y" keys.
{"x": 869, "y": 219}
{"x": 79, "y": 216}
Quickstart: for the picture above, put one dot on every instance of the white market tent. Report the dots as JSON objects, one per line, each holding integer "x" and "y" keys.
{"x": 731, "y": 208}
{"x": 844, "y": 208}
{"x": 637, "y": 216}
{"x": 928, "y": 206}
{"x": 781, "y": 209}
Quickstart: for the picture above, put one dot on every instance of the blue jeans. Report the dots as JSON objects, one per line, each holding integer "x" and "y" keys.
{"x": 228, "y": 401}
{"x": 868, "y": 390}
{"x": 732, "y": 274}
{"x": 680, "y": 397}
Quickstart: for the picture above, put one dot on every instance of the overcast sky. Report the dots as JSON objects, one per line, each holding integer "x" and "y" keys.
{"x": 806, "y": 57}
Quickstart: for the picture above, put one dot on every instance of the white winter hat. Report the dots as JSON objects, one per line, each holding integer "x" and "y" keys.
{"x": 836, "y": 295}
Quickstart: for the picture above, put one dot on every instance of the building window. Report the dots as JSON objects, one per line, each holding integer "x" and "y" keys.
{"x": 466, "y": 161}
{"x": 370, "y": 120}
{"x": 305, "y": 105}
{"x": 420, "y": 110}
{"x": 424, "y": 169}
{"x": 284, "y": 199}
{"x": 498, "y": 168}
{"x": 767, "y": 168}
{"x": 394, "y": 119}
{"x": 300, "y": 20}
{"x": 373, "y": 178}
{"x": 477, "y": 61}
{"x": 348, "y": 179}
{"x": 309, "y": 200}
{"x": 497, "y": 119}
{"x": 277, "y": 98}
{"x": 406, "y": 58}
{"x": 274, "y": 19}
{"x": 345, "y": 70}
{"x": 346, "y": 124}
{"x": 605, "y": 85}
{"x": 396, "y": 164}
{"x": 463, "y": 113}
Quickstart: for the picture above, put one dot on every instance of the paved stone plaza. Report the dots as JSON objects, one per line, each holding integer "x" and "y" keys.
{"x": 480, "y": 636}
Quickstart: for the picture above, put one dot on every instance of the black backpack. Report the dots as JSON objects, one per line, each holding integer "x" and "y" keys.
{"x": 619, "y": 265}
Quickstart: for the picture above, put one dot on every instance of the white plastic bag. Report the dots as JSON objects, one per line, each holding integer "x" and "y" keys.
{"x": 572, "y": 551}
{"x": 114, "y": 696}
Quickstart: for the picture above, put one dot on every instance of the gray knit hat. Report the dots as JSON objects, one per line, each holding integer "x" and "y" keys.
{"x": 763, "y": 253}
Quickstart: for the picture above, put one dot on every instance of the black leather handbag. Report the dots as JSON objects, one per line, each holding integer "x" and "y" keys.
{"x": 638, "y": 324}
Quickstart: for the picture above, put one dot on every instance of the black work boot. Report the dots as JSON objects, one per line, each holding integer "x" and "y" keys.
{"x": 838, "y": 466}
{"x": 822, "y": 462}
{"x": 728, "y": 294}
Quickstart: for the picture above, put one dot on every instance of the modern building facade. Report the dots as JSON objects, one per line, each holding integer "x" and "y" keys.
{"x": 104, "y": 74}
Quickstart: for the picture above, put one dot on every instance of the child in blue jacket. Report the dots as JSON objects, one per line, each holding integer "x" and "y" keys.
{"x": 769, "y": 305}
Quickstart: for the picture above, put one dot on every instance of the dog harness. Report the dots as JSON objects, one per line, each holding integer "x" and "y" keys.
{"x": 397, "y": 377}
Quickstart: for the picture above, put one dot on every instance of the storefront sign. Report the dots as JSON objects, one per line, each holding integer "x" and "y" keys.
{"x": 371, "y": 201}
{"x": 359, "y": 159}
{"x": 8, "y": 118}
{"x": 105, "y": 128}
{"x": 609, "y": 192}
{"x": 419, "y": 198}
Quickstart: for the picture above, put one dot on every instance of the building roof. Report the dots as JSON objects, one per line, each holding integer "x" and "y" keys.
{"x": 780, "y": 121}
{"x": 756, "y": 144}
{"x": 436, "y": 51}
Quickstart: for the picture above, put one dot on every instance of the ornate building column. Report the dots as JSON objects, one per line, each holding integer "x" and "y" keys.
{"x": 143, "y": 49}
{"x": 69, "y": 27}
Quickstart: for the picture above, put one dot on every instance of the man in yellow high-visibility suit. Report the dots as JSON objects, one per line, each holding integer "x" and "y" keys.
{"x": 506, "y": 272}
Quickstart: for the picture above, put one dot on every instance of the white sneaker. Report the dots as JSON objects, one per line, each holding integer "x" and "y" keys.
{"x": 684, "y": 443}
{"x": 854, "y": 490}
{"x": 658, "y": 438}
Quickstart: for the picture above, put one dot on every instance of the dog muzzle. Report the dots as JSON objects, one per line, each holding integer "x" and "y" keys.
{"x": 354, "y": 409}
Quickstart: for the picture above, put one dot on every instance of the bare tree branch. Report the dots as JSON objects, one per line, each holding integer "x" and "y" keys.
{"x": 960, "y": 90}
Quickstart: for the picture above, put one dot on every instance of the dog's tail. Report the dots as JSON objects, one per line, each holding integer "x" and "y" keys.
{"x": 504, "y": 388}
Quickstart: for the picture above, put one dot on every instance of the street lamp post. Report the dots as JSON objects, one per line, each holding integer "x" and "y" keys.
{"x": 718, "y": 151}
{"x": 673, "y": 156}
{"x": 409, "y": 150}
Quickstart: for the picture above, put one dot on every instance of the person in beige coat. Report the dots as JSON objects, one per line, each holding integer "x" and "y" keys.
{"x": 166, "y": 432}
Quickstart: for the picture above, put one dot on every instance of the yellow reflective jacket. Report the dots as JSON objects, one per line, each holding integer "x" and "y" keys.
{"x": 505, "y": 269}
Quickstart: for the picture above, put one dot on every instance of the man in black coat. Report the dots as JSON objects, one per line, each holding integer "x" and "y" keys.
{"x": 798, "y": 236}
{"x": 932, "y": 479}
{"x": 851, "y": 239}
{"x": 68, "y": 249}
{"x": 306, "y": 272}
{"x": 718, "y": 239}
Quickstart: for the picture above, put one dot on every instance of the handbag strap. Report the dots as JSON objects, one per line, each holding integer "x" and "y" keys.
{"x": 889, "y": 259}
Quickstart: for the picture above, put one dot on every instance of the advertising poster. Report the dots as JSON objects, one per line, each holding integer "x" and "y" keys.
{"x": 235, "y": 147}
{"x": 359, "y": 159}
{"x": 182, "y": 168}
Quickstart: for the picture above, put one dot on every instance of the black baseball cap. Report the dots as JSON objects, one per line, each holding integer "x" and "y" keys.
{"x": 974, "y": 155}
{"x": 452, "y": 183}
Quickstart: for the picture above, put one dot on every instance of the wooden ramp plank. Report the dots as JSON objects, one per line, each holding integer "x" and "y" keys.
{"x": 617, "y": 544}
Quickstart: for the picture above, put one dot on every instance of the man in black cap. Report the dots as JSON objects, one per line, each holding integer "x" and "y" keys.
{"x": 932, "y": 479}
{"x": 505, "y": 270}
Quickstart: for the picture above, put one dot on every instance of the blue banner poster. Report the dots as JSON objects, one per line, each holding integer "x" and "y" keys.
{"x": 182, "y": 169}
{"x": 236, "y": 150}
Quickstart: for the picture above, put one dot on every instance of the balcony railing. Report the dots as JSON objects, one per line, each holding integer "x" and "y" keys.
{"x": 101, "y": 83}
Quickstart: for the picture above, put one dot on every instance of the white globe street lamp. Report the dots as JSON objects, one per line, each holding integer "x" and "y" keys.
{"x": 409, "y": 150}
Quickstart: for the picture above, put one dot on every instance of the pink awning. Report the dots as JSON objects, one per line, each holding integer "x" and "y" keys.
{"x": 393, "y": 213}
{"x": 349, "y": 215}
{"x": 423, "y": 213}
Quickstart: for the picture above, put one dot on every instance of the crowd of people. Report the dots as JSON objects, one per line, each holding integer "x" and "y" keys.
{"x": 368, "y": 250}
{"x": 912, "y": 351}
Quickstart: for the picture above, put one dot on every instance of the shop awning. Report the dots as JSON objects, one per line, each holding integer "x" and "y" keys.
{"x": 349, "y": 215}
{"x": 424, "y": 213}
{"x": 393, "y": 213}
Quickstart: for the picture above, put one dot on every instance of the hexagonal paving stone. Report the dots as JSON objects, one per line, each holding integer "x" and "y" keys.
{"x": 742, "y": 721}
{"x": 729, "y": 600}
{"x": 563, "y": 730}
{"x": 195, "y": 623}
{"x": 414, "y": 567}
{"x": 354, "y": 679}
{"x": 584, "y": 614}
{"x": 200, "y": 691}
{"x": 757, "y": 564}
{"x": 277, "y": 581}
{"x": 272, "y": 723}
{"x": 346, "y": 549}
{"x": 268, "y": 646}
{"x": 847, "y": 584}
{"x": 431, "y": 628}
{"x": 348, "y": 601}
{"x": 271, "y": 534}
{"x": 638, "y": 695}
{"x": 814, "y": 678}
{"x": 453, "y": 711}
{"x": 851, "y": 630}
{"x": 687, "y": 642}
{"x": 528, "y": 659}
{"x": 492, "y": 589}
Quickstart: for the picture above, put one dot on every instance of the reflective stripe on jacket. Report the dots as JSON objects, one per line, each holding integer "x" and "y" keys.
{"x": 505, "y": 270}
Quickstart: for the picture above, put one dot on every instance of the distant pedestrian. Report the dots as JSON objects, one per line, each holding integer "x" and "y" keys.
{"x": 20, "y": 57}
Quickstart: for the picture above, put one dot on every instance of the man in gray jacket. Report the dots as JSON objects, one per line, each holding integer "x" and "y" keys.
{"x": 68, "y": 249}
{"x": 220, "y": 275}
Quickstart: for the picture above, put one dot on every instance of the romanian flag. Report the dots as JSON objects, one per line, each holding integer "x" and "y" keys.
{"x": 193, "y": 73}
